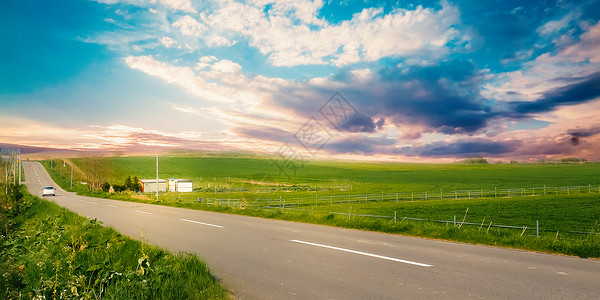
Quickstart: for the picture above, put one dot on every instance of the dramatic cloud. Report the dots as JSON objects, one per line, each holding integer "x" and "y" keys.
{"x": 385, "y": 80}
{"x": 463, "y": 148}
{"x": 587, "y": 89}
{"x": 578, "y": 133}
{"x": 361, "y": 145}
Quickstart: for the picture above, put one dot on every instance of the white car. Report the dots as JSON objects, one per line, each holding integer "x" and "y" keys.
{"x": 48, "y": 191}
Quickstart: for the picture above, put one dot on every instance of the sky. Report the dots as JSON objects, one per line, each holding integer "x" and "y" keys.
{"x": 370, "y": 80}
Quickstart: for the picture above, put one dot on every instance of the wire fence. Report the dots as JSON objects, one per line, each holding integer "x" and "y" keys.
{"x": 397, "y": 197}
{"x": 307, "y": 204}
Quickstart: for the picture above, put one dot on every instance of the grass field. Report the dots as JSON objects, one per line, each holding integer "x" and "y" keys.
{"x": 236, "y": 173}
{"x": 311, "y": 196}
{"x": 48, "y": 252}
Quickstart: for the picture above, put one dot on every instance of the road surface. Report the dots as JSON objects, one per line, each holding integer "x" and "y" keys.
{"x": 269, "y": 259}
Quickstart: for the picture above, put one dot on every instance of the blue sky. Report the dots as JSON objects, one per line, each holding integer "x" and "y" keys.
{"x": 419, "y": 80}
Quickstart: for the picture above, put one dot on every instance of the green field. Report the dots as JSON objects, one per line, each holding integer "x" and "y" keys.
{"x": 563, "y": 198}
{"x": 361, "y": 177}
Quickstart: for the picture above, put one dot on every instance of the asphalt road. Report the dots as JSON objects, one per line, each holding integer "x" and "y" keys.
{"x": 269, "y": 259}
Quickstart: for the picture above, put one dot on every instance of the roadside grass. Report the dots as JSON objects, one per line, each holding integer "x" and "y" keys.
{"x": 48, "y": 252}
{"x": 557, "y": 214}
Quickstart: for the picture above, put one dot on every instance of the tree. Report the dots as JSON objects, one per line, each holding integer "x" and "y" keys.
{"x": 96, "y": 169}
{"x": 128, "y": 183}
{"x": 137, "y": 186}
{"x": 119, "y": 188}
{"x": 475, "y": 160}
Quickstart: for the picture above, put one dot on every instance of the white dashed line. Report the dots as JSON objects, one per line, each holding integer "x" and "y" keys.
{"x": 364, "y": 253}
{"x": 142, "y": 212}
{"x": 202, "y": 223}
{"x": 110, "y": 205}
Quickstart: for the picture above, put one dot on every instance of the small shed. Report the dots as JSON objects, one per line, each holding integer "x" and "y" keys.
{"x": 180, "y": 185}
{"x": 150, "y": 185}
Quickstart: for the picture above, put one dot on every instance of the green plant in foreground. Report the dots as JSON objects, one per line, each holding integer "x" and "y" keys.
{"x": 52, "y": 253}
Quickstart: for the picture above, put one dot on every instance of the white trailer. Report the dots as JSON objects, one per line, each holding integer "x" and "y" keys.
{"x": 150, "y": 185}
{"x": 180, "y": 185}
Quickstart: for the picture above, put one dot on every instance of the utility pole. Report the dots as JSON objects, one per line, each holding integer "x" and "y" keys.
{"x": 20, "y": 165}
{"x": 6, "y": 179}
{"x": 156, "y": 176}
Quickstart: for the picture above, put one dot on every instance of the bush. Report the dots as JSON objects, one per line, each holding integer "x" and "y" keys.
{"x": 106, "y": 187}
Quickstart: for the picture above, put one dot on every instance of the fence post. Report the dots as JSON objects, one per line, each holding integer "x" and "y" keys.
{"x": 426, "y": 196}
{"x": 441, "y": 194}
{"x": 454, "y": 220}
{"x": 544, "y": 190}
{"x": 394, "y": 216}
{"x": 495, "y": 192}
{"x": 396, "y": 197}
{"x": 537, "y": 228}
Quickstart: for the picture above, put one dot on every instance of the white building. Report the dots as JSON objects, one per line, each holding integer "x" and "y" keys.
{"x": 150, "y": 185}
{"x": 180, "y": 185}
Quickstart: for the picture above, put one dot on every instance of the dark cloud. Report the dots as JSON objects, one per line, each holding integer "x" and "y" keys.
{"x": 444, "y": 98}
{"x": 358, "y": 123}
{"x": 585, "y": 90}
{"x": 360, "y": 144}
{"x": 463, "y": 148}
{"x": 578, "y": 133}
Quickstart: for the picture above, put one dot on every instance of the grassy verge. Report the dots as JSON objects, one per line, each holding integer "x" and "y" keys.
{"x": 48, "y": 252}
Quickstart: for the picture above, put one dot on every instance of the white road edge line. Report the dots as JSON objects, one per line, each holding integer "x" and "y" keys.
{"x": 110, "y": 205}
{"x": 142, "y": 212}
{"x": 202, "y": 223}
{"x": 364, "y": 253}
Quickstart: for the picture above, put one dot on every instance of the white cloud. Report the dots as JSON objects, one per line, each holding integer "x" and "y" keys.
{"x": 292, "y": 34}
{"x": 548, "y": 71}
{"x": 555, "y": 26}
{"x": 226, "y": 66}
{"x": 183, "y": 77}
{"x": 189, "y": 26}
{"x": 218, "y": 41}
{"x": 183, "y": 5}
{"x": 587, "y": 49}
{"x": 167, "y": 41}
